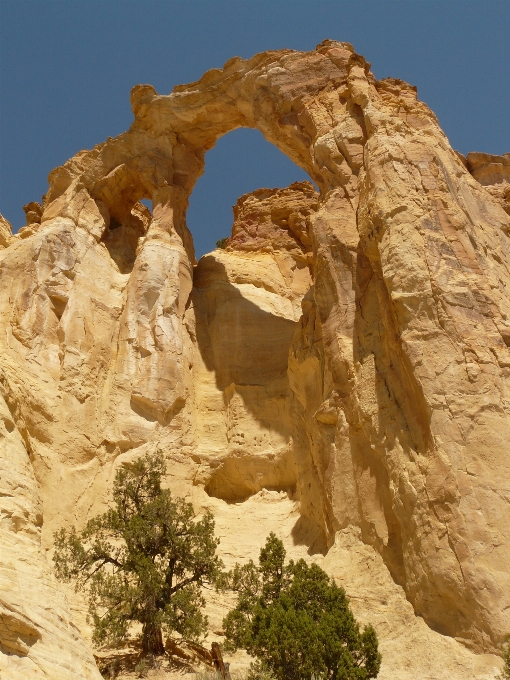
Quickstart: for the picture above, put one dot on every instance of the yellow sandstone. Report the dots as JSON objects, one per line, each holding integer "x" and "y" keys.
{"x": 338, "y": 373}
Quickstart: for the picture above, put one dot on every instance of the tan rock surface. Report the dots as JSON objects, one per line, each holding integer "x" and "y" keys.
{"x": 38, "y": 638}
{"x": 5, "y": 232}
{"x": 493, "y": 172}
{"x": 339, "y": 373}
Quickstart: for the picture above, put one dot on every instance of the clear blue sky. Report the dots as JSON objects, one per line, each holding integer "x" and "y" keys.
{"x": 67, "y": 67}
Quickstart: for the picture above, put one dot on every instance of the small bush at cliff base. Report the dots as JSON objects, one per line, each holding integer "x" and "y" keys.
{"x": 296, "y": 621}
{"x": 143, "y": 560}
{"x": 505, "y": 673}
{"x": 222, "y": 243}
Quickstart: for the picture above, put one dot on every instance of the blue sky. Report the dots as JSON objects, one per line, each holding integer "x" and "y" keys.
{"x": 67, "y": 67}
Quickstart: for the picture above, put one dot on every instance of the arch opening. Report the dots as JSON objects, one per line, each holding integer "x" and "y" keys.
{"x": 241, "y": 162}
{"x": 247, "y": 304}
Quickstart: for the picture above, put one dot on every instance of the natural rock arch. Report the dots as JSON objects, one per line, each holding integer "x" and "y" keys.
{"x": 407, "y": 326}
{"x": 162, "y": 154}
{"x": 241, "y": 162}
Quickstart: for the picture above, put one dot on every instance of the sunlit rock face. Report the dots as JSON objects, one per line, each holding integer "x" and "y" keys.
{"x": 337, "y": 373}
{"x": 493, "y": 172}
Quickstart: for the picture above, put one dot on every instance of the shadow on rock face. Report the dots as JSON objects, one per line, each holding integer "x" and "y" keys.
{"x": 247, "y": 347}
{"x": 243, "y": 343}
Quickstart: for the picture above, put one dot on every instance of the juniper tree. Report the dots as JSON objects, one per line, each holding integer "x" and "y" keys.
{"x": 145, "y": 559}
{"x": 296, "y": 621}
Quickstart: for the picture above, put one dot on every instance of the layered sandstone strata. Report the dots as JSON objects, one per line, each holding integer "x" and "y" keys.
{"x": 338, "y": 373}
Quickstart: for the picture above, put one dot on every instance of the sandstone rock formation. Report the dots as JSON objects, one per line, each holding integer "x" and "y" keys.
{"x": 5, "y": 232}
{"x": 338, "y": 373}
{"x": 493, "y": 172}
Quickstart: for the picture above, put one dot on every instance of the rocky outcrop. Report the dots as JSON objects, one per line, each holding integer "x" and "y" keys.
{"x": 493, "y": 172}
{"x": 338, "y": 372}
{"x": 5, "y": 232}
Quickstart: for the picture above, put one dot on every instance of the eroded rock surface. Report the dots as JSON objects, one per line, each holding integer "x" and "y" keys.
{"x": 343, "y": 360}
{"x": 493, "y": 172}
{"x": 247, "y": 304}
{"x": 5, "y": 232}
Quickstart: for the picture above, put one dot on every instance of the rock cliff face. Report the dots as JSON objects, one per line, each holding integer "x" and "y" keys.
{"x": 339, "y": 372}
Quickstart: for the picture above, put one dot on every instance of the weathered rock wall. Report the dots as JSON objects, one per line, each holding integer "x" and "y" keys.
{"x": 247, "y": 302}
{"x": 347, "y": 350}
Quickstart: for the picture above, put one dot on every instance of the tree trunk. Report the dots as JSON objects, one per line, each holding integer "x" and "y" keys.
{"x": 218, "y": 661}
{"x": 152, "y": 640}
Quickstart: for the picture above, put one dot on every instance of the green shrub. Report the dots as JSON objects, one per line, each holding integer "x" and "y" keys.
{"x": 505, "y": 673}
{"x": 296, "y": 621}
{"x": 258, "y": 672}
{"x": 145, "y": 559}
{"x": 222, "y": 243}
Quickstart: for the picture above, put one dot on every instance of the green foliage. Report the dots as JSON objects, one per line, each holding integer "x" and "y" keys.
{"x": 112, "y": 670}
{"x": 296, "y": 621}
{"x": 222, "y": 243}
{"x": 505, "y": 673}
{"x": 254, "y": 673}
{"x": 258, "y": 672}
{"x": 144, "y": 560}
{"x": 142, "y": 668}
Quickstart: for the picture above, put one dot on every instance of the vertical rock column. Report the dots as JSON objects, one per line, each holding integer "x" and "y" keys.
{"x": 433, "y": 319}
{"x": 37, "y": 636}
{"x": 157, "y": 294}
